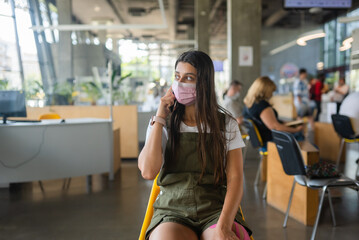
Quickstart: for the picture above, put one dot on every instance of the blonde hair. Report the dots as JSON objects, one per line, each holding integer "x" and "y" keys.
{"x": 261, "y": 89}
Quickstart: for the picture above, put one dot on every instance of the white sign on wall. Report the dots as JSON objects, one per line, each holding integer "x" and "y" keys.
{"x": 245, "y": 56}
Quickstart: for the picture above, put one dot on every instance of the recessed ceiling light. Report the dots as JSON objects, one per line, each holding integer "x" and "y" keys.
{"x": 97, "y": 8}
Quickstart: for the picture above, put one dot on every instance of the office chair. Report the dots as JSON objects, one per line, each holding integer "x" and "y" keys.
{"x": 67, "y": 181}
{"x": 292, "y": 162}
{"x": 257, "y": 142}
{"x": 149, "y": 211}
{"x": 343, "y": 127}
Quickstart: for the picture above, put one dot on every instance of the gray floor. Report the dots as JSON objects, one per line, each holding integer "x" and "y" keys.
{"x": 115, "y": 210}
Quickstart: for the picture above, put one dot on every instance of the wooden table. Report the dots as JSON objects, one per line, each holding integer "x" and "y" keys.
{"x": 305, "y": 200}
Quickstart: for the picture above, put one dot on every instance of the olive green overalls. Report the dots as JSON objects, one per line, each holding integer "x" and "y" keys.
{"x": 183, "y": 198}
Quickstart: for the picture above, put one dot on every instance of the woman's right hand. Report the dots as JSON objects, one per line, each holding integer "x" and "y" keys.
{"x": 299, "y": 128}
{"x": 166, "y": 102}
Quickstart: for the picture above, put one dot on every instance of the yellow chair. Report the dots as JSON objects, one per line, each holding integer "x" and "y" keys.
{"x": 67, "y": 181}
{"x": 257, "y": 142}
{"x": 149, "y": 211}
{"x": 49, "y": 116}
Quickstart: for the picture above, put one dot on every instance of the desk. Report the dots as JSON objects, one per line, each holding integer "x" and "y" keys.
{"x": 279, "y": 184}
{"x": 51, "y": 150}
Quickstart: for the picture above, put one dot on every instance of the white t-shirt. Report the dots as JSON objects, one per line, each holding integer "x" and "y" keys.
{"x": 338, "y": 97}
{"x": 233, "y": 135}
{"x": 350, "y": 108}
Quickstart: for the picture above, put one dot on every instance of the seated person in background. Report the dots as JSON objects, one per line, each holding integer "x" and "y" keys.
{"x": 350, "y": 108}
{"x": 303, "y": 105}
{"x": 232, "y": 101}
{"x": 339, "y": 92}
{"x": 258, "y": 109}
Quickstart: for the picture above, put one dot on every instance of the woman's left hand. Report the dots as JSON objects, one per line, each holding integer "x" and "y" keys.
{"x": 224, "y": 234}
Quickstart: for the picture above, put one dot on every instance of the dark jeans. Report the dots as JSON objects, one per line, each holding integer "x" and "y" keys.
{"x": 319, "y": 108}
{"x": 338, "y": 106}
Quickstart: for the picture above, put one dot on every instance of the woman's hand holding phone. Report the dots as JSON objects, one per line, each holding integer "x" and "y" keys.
{"x": 166, "y": 102}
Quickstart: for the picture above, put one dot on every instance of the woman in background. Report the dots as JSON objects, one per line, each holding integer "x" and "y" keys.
{"x": 258, "y": 109}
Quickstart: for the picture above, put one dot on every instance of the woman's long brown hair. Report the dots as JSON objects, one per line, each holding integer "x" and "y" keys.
{"x": 207, "y": 115}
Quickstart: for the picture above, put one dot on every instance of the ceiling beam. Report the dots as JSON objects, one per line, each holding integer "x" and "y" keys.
{"x": 214, "y": 9}
{"x": 118, "y": 15}
{"x": 173, "y": 12}
{"x": 275, "y": 17}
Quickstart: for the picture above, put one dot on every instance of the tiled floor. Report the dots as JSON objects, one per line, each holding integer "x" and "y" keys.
{"x": 115, "y": 210}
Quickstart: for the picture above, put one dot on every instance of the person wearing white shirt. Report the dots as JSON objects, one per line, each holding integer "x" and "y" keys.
{"x": 350, "y": 108}
{"x": 339, "y": 92}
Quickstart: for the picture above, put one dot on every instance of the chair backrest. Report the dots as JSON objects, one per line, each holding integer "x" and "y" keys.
{"x": 343, "y": 126}
{"x": 149, "y": 211}
{"x": 50, "y": 116}
{"x": 289, "y": 153}
{"x": 254, "y": 136}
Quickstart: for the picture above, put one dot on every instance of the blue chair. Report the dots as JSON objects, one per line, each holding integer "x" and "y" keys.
{"x": 292, "y": 162}
{"x": 343, "y": 127}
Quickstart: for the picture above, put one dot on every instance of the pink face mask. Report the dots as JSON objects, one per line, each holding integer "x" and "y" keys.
{"x": 185, "y": 93}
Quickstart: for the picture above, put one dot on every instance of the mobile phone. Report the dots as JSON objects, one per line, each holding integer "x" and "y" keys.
{"x": 172, "y": 107}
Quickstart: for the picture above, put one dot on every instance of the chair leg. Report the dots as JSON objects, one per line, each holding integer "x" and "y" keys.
{"x": 318, "y": 213}
{"x": 331, "y": 208}
{"x": 68, "y": 183}
{"x": 244, "y": 152}
{"x": 41, "y": 187}
{"x": 258, "y": 171}
{"x": 340, "y": 151}
{"x": 289, "y": 203}
{"x": 64, "y": 184}
{"x": 88, "y": 183}
{"x": 264, "y": 196}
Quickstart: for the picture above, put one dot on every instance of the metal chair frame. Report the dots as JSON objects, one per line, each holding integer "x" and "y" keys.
{"x": 293, "y": 164}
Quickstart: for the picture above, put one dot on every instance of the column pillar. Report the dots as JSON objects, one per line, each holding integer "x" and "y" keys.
{"x": 115, "y": 45}
{"x": 102, "y": 36}
{"x": 202, "y": 25}
{"x": 244, "y": 33}
{"x": 65, "y": 61}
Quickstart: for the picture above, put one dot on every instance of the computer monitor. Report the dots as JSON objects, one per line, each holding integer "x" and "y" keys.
{"x": 326, "y": 4}
{"x": 12, "y": 104}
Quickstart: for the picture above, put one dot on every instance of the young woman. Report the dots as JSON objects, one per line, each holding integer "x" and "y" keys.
{"x": 198, "y": 158}
{"x": 265, "y": 117}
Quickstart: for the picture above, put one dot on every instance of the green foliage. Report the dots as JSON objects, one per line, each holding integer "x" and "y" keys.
{"x": 64, "y": 91}
{"x": 119, "y": 92}
{"x": 92, "y": 90}
{"x": 4, "y": 84}
{"x": 34, "y": 88}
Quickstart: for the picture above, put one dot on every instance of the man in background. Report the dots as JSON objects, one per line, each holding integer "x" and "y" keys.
{"x": 232, "y": 102}
{"x": 303, "y": 105}
{"x": 340, "y": 92}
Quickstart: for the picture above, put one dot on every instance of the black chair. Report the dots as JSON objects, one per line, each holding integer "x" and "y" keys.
{"x": 292, "y": 162}
{"x": 344, "y": 129}
{"x": 256, "y": 141}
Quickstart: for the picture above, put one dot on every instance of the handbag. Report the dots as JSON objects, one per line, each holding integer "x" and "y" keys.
{"x": 322, "y": 169}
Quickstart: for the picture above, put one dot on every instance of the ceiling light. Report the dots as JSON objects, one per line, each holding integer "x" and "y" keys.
{"x": 320, "y": 66}
{"x": 302, "y": 40}
{"x": 347, "y": 44}
{"x": 282, "y": 48}
{"x": 97, "y": 8}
